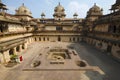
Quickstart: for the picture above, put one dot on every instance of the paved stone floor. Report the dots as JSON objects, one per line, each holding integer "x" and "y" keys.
{"x": 90, "y": 54}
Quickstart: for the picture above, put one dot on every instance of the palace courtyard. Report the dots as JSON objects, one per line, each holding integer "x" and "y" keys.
{"x": 100, "y": 66}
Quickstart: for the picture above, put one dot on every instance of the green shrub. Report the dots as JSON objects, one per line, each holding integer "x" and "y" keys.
{"x": 13, "y": 57}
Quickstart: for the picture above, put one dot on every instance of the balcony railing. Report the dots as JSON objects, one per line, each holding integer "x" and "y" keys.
{"x": 57, "y": 31}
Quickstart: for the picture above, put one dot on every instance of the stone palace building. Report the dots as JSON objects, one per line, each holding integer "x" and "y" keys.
{"x": 20, "y": 29}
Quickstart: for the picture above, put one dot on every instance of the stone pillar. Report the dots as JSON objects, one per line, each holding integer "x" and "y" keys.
{"x": 2, "y": 58}
{"x": 33, "y": 39}
{"x": 5, "y": 57}
{"x": 25, "y": 45}
{"x": 27, "y": 41}
{"x": 104, "y": 46}
{"x": 30, "y": 39}
{"x": 114, "y": 50}
{"x": 37, "y": 38}
{"x": 14, "y": 51}
{"x": 96, "y": 44}
{"x": 20, "y": 48}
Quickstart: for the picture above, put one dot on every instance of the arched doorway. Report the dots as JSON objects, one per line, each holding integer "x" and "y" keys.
{"x": 78, "y": 39}
{"x": 18, "y": 48}
{"x": 59, "y": 38}
{"x": 1, "y": 28}
{"x": 114, "y": 29}
{"x": 74, "y": 39}
{"x": 43, "y": 38}
{"x": 70, "y": 39}
{"x": 109, "y": 47}
{"x": 23, "y": 46}
{"x": 35, "y": 39}
{"x": 11, "y": 52}
{"x": 39, "y": 39}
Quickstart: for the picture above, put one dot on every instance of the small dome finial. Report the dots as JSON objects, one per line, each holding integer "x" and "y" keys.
{"x": 75, "y": 14}
{"x": 42, "y": 14}
{"x": 94, "y": 4}
{"x": 22, "y": 4}
{"x": 59, "y": 3}
{"x": 101, "y": 9}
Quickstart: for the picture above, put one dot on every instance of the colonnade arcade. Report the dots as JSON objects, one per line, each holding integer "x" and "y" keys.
{"x": 17, "y": 46}
{"x": 12, "y": 47}
{"x": 114, "y": 28}
{"x": 110, "y": 48}
{"x": 58, "y": 38}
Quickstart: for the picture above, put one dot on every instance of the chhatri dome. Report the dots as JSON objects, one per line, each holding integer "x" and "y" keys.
{"x": 95, "y": 10}
{"x": 116, "y": 6}
{"x": 59, "y": 11}
{"x": 75, "y": 14}
{"x": 59, "y": 8}
{"x": 23, "y": 10}
{"x": 42, "y": 15}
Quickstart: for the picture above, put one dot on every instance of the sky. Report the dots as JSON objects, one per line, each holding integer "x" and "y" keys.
{"x": 47, "y": 6}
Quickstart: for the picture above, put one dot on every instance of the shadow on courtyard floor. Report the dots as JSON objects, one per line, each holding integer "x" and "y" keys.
{"x": 95, "y": 57}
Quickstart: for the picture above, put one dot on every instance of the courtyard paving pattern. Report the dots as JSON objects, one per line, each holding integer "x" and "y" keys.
{"x": 92, "y": 56}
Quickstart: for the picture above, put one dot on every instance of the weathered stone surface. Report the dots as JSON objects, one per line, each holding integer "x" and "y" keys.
{"x": 36, "y": 63}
